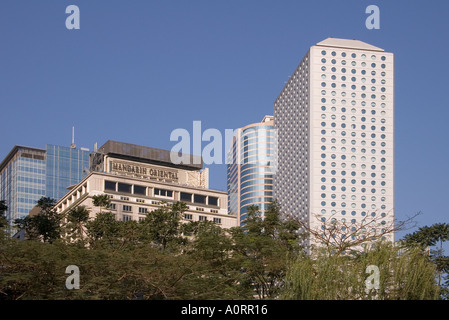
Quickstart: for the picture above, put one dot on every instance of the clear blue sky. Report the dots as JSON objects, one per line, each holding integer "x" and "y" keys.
{"x": 136, "y": 70}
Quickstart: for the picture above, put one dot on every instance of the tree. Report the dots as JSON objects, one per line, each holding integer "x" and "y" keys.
{"x": 263, "y": 247}
{"x": 434, "y": 236}
{"x": 130, "y": 234}
{"x": 341, "y": 235}
{"x": 426, "y": 236}
{"x": 45, "y": 225}
{"x": 101, "y": 201}
{"x": 3, "y": 208}
{"x": 27, "y": 225}
{"x": 215, "y": 273}
{"x": 76, "y": 223}
{"x": 404, "y": 274}
{"x": 163, "y": 226}
{"x": 3, "y": 220}
{"x": 284, "y": 231}
{"x": 104, "y": 230}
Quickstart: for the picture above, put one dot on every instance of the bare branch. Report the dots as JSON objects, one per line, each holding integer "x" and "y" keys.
{"x": 340, "y": 233}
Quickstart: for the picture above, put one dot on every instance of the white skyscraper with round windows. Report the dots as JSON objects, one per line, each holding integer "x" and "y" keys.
{"x": 335, "y": 124}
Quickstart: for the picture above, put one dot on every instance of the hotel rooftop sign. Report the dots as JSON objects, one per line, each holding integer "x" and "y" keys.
{"x": 143, "y": 171}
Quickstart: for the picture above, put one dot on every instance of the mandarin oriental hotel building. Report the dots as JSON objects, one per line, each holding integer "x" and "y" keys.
{"x": 140, "y": 179}
{"x": 335, "y": 124}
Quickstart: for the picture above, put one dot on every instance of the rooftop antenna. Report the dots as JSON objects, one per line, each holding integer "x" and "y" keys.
{"x": 73, "y": 145}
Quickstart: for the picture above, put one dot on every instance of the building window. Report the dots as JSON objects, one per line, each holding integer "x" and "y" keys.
{"x": 188, "y": 216}
{"x": 213, "y": 201}
{"x": 199, "y": 209}
{"x": 112, "y": 206}
{"x": 214, "y": 210}
{"x": 124, "y": 198}
{"x": 126, "y": 218}
{"x": 109, "y": 185}
{"x": 163, "y": 192}
{"x": 185, "y": 197}
{"x": 217, "y": 220}
{"x": 140, "y": 190}
{"x": 140, "y": 200}
{"x": 202, "y": 218}
{"x": 143, "y": 210}
{"x": 124, "y": 187}
{"x": 197, "y": 198}
{"x": 127, "y": 208}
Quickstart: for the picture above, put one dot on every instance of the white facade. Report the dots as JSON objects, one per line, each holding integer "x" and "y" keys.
{"x": 143, "y": 196}
{"x": 335, "y": 119}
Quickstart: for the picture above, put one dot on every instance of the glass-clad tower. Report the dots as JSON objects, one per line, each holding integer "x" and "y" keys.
{"x": 65, "y": 166}
{"x": 22, "y": 180}
{"x": 27, "y": 174}
{"x": 251, "y": 165}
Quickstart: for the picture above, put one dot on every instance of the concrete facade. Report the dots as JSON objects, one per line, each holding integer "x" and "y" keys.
{"x": 335, "y": 123}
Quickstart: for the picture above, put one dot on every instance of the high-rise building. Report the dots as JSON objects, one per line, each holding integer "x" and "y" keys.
{"x": 251, "y": 164}
{"x": 65, "y": 166}
{"x": 334, "y": 120}
{"x": 27, "y": 174}
{"x": 22, "y": 180}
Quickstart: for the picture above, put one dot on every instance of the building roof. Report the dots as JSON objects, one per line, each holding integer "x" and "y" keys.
{"x": 347, "y": 43}
{"x": 150, "y": 155}
{"x": 267, "y": 118}
{"x": 16, "y": 149}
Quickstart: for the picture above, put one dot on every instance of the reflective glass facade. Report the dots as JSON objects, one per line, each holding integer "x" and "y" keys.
{"x": 251, "y": 168}
{"x": 27, "y": 174}
{"x": 22, "y": 180}
{"x": 65, "y": 167}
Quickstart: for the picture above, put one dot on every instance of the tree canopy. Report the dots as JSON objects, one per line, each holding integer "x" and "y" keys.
{"x": 163, "y": 256}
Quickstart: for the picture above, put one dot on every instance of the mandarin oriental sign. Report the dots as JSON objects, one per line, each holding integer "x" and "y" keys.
{"x": 139, "y": 170}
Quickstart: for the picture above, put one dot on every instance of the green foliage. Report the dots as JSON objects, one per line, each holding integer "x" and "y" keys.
{"x": 29, "y": 270}
{"x": 429, "y": 236}
{"x": 101, "y": 201}
{"x": 262, "y": 247}
{"x": 104, "y": 230}
{"x": 3, "y": 220}
{"x": 163, "y": 226}
{"x": 164, "y": 257}
{"x": 45, "y": 225}
{"x": 434, "y": 236}
{"x": 403, "y": 274}
{"x": 3, "y": 208}
{"x": 77, "y": 219}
